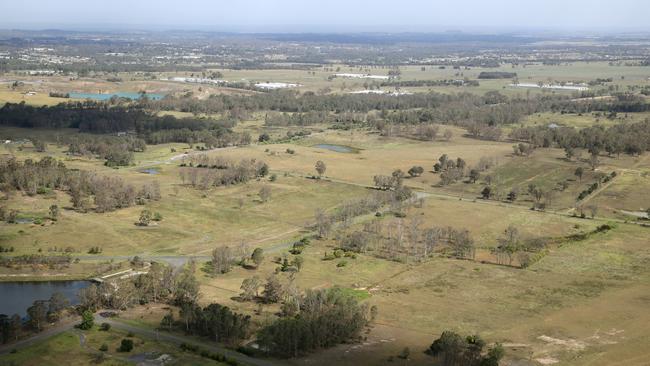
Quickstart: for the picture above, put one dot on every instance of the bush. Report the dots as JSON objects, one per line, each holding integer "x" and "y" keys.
{"x": 87, "y": 320}
{"x": 126, "y": 345}
{"x": 103, "y": 347}
{"x": 105, "y": 327}
{"x": 342, "y": 264}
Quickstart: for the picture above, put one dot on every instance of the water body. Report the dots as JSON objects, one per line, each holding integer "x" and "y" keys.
{"x": 149, "y": 171}
{"x": 337, "y": 148}
{"x": 16, "y": 297}
{"x": 103, "y": 97}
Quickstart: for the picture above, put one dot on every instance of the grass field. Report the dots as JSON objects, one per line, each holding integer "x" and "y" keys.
{"x": 585, "y": 303}
{"x": 81, "y": 348}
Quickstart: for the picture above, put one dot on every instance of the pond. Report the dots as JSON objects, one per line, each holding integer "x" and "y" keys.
{"x": 16, "y": 297}
{"x": 101, "y": 96}
{"x": 337, "y": 148}
{"x": 149, "y": 171}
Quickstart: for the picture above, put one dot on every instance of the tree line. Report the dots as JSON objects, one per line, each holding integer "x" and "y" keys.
{"x": 103, "y": 118}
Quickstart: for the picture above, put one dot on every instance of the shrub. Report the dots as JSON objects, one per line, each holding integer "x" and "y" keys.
{"x": 105, "y": 327}
{"x": 103, "y": 347}
{"x": 126, "y": 345}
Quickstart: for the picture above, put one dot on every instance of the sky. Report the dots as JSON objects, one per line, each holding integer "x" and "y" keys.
{"x": 327, "y": 15}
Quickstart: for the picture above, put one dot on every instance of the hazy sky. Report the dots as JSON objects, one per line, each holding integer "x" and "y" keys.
{"x": 333, "y": 15}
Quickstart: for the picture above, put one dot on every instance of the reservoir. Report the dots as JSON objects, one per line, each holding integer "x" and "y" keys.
{"x": 16, "y": 297}
{"x": 104, "y": 97}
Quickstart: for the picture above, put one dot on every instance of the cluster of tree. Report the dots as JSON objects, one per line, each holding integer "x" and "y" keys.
{"x": 324, "y": 222}
{"x": 422, "y": 131}
{"x": 215, "y": 321}
{"x": 32, "y": 176}
{"x": 51, "y": 261}
{"x": 629, "y": 138}
{"x": 159, "y": 284}
{"x": 219, "y": 357}
{"x": 274, "y": 119}
{"x": 430, "y": 83}
{"x": 323, "y": 319}
{"x": 224, "y": 257}
{"x": 594, "y": 186}
{"x": 109, "y": 193}
{"x": 451, "y": 349}
{"x": 452, "y": 170}
{"x": 118, "y": 151}
{"x": 204, "y": 172}
{"x": 407, "y": 240}
{"x": 621, "y": 103}
{"x": 497, "y": 75}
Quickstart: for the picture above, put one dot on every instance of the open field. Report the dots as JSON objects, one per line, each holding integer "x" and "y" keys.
{"x": 545, "y": 254}
{"x": 82, "y": 348}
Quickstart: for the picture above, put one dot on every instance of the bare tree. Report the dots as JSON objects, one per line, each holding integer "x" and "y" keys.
{"x": 320, "y": 168}
{"x": 221, "y": 260}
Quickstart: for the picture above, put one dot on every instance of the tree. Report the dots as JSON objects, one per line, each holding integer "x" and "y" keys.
{"x": 250, "y": 288}
{"x": 264, "y": 137}
{"x": 15, "y": 326}
{"x": 416, "y": 171}
{"x": 57, "y": 303}
{"x": 320, "y": 168}
{"x": 452, "y": 350}
{"x": 221, "y": 260}
{"x": 87, "y": 320}
{"x": 593, "y": 161}
{"x": 145, "y": 218}
{"x": 37, "y": 314}
{"x": 494, "y": 355}
{"x": 448, "y": 134}
{"x": 323, "y": 223}
{"x": 486, "y": 192}
{"x": 579, "y": 172}
{"x": 265, "y": 193}
{"x": 54, "y": 212}
{"x": 168, "y": 320}
{"x": 126, "y": 345}
{"x": 186, "y": 286}
{"x": 272, "y": 290}
{"x": 257, "y": 256}
{"x": 298, "y": 261}
{"x": 474, "y": 175}
{"x": 512, "y": 195}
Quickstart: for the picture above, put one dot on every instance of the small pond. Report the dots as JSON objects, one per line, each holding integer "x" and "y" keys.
{"x": 149, "y": 171}
{"x": 16, "y": 297}
{"x": 337, "y": 148}
{"x": 102, "y": 97}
